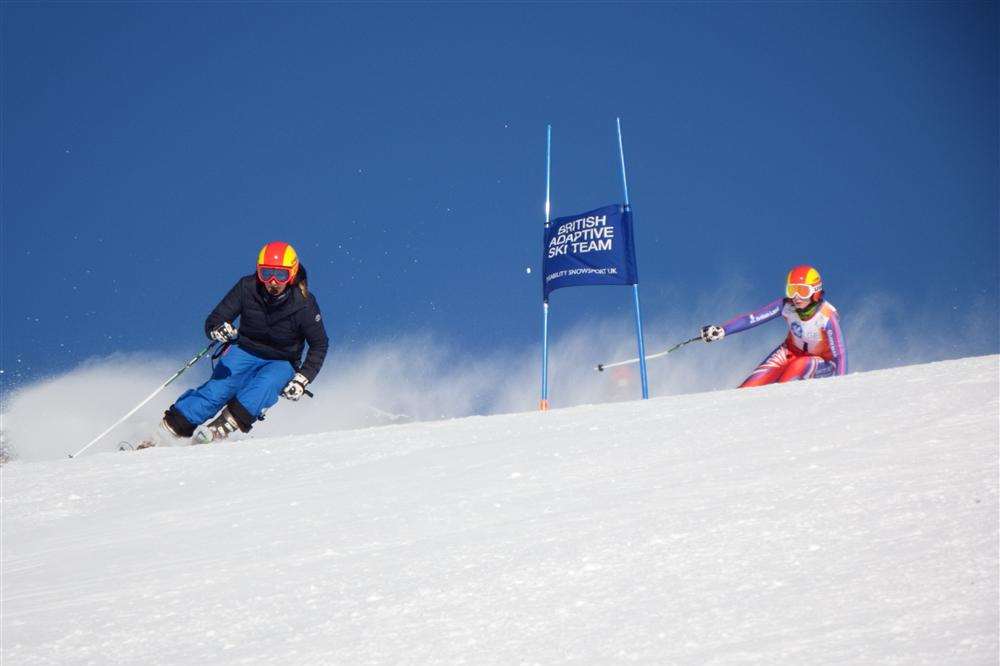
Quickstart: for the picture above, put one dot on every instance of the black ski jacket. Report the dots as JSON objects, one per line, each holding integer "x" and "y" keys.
{"x": 275, "y": 327}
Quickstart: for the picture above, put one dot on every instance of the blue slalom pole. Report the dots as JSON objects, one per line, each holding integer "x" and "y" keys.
{"x": 544, "y": 403}
{"x": 635, "y": 287}
{"x": 642, "y": 344}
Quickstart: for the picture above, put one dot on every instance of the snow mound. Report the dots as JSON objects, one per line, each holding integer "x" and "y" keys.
{"x": 843, "y": 520}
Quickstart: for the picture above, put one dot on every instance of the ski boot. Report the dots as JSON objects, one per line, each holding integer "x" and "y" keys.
{"x": 217, "y": 430}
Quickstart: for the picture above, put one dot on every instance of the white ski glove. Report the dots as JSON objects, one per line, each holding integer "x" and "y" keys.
{"x": 223, "y": 333}
{"x": 712, "y": 333}
{"x": 295, "y": 388}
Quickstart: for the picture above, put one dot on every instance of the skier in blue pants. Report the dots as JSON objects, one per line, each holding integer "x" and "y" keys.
{"x": 253, "y": 382}
{"x": 262, "y": 360}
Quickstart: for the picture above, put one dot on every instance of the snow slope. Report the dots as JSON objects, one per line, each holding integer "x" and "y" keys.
{"x": 851, "y": 520}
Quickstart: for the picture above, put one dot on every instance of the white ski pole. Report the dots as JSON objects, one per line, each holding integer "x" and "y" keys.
{"x": 602, "y": 366}
{"x": 152, "y": 395}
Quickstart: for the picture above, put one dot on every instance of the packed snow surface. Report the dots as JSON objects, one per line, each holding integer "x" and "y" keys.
{"x": 849, "y": 520}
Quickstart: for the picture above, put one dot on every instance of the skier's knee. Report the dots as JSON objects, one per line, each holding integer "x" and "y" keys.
{"x": 801, "y": 367}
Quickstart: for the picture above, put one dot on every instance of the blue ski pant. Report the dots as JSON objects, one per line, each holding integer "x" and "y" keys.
{"x": 255, "y": 382}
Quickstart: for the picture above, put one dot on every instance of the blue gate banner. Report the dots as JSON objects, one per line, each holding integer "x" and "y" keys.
{"x": 591, "y": 248}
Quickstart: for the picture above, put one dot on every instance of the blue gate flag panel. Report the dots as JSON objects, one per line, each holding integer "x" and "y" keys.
{"x": 591, "y": 248}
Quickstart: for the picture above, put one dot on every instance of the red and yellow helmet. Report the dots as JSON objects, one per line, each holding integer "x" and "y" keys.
{"x": 277, "y": 262}
{"x": 804, "y": 282}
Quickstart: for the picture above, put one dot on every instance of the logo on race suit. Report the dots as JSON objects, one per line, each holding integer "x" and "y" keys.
{"x": 796, "y": 329}
{"x": 318, "y": 317}
{"x": 754, "y": 318}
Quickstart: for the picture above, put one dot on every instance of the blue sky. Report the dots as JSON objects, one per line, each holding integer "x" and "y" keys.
{"x": 150, "y": 149}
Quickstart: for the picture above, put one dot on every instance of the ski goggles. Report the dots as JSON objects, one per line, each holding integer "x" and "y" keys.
{"x": 801, "y": 290}
{"x": 273, "y": 274}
